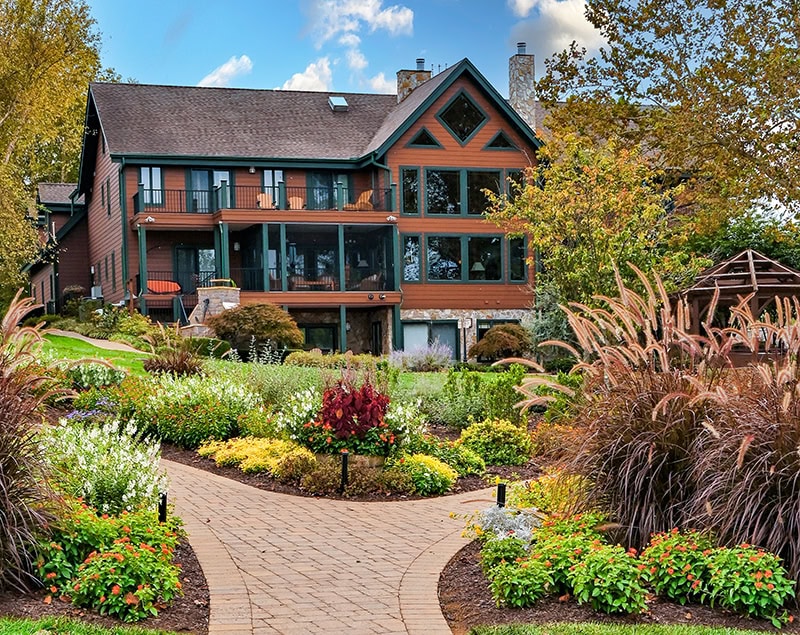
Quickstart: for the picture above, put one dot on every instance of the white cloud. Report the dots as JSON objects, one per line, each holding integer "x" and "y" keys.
{"x": 521, "y": 8}
{"x": 317, "y": 76}
{"x": 350, "y": 39}
{"x": 356, "y": 60}
{"x": 380, "y": 84}
{"x": 332, "y": 17}
{"x": 554, "y": 25}
{"x": 222, "y": 75}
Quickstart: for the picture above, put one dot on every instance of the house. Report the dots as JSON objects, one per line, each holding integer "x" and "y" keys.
{"x": 360, "y": 214}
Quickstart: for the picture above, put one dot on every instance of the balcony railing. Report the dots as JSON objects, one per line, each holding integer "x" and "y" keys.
{"x": 246, "y": 197}
{"x": 252, "y": 279}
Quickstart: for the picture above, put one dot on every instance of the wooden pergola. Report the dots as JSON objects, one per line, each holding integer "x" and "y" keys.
{"x": 746, "y": 273}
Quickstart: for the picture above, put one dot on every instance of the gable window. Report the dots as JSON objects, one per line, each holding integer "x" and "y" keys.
{"x": 409, "y": 178}
{"x": 151, "y": 180}
{"x": 462, "y": 117}
{"x": 271, "y": 188}
{"x": 500, "y": 142}
{"x": 424, "y": 139}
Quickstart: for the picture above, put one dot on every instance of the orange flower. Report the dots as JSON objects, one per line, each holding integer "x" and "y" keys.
{"x": 759, "y": 585}
{"x": 53, "y": 589}
{"x": 130, "y": 598}
{"x": 115, "y": 589}
{"x": 770, "y": 586}
{"x": 102, "y": 599}
{"x": 670, "y": 570}
{"x": 50, "y": 575}
{"x": 178, "y": 584}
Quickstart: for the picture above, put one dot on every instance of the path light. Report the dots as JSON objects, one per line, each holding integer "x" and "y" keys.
{"x": 345, "y": 457}
{"x": 162, "y": 507}
{"x": 501, "y": 494}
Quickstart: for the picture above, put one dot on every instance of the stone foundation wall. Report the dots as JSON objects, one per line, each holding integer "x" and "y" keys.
{"x": 218, "y": 299}
{"x": 462, "y": 314}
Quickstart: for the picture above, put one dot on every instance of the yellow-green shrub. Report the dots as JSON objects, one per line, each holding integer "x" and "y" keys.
{"x": 317, "y": 359}
{"x": 498, "y": 442}
{"x": 429, "y": 474}
{"x": 283, "y": 460}
{"x": 552, "y": 493}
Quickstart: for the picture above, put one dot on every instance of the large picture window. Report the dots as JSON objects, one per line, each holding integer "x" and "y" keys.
{"x": 443, "y": 258}
{"x": 409, "y": 177}
{"x": 443, "y": 188}
{"x": 485, "y": 258}
{"x": 477, "y": 182}
{"x": 460, "y": 191}
{"x": 412, "y": 259}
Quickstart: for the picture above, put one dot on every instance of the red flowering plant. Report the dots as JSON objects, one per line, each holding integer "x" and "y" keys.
{"x": 352, "y": 418}
{"x": 674, "y": 564}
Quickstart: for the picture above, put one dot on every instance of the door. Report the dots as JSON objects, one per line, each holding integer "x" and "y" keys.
{"x": 194, "y": 267}
{"x": 447, "y": 334}
{"x": 377, "y": 338}
{"x": 200, "y": 192}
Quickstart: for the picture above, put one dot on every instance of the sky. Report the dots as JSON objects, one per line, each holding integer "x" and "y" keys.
{"x": 327, "y": 45}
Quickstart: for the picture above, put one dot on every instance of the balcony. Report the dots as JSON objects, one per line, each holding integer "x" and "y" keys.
{"x": 252, "y": 279}
{"x": 338, "y": 198}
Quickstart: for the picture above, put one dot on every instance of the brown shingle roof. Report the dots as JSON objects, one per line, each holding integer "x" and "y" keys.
{"x": 232, "y": 122}
{"x": 56, "y": 193}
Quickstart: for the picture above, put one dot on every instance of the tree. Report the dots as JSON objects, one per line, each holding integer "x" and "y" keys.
{"x": 711, "y": 87}
{"x": 588, "y": 207}
{"x": 256, "y": 324}
{"x": 49, "y": 52}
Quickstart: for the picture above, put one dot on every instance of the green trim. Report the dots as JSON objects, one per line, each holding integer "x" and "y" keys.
{"x": 414, "y": 143}
{"x": 265, "y": 257}
{"x": 342, "y": 328}
{"x": 142, "y": 268}
{"x": 501, "y": 136}
{"x": 342, "y": 268}
{"x": 283, "y": 264}
{"x": 212, "y": 162}
{"x": 225, "y": 257}
{"x": 396, "y": 257}
{"x": 403, "y": 211}
{"x": 397, "y": 328}
{"x": 439, "y": 116}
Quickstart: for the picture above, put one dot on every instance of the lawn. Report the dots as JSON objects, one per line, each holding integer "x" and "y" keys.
{"x": 62, "y": 347}
{"x": 63, "y": 626}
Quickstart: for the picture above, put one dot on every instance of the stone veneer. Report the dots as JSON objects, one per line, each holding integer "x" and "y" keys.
{"x": 210, "y": 302}
{"x": 407, "y": 81}
{"x": 521, "y": 89}
{"x": 460, "y": 314}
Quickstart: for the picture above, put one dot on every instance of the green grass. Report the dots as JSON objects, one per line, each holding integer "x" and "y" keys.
{"x": 586, "y": 628}
{"x": 64, "y": 626}
{"x": 62, "y": 347}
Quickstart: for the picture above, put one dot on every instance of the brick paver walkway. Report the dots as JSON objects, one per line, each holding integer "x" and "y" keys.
{"x": 286, "y": 564}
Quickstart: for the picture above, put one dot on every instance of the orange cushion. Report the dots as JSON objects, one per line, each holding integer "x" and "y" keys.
{"x": 163, "y": 286}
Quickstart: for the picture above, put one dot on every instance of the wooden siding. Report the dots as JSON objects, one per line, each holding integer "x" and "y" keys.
{"x": 43, "y": 275}
{"x": 105, "y": 232}
{"x": 72, "y": 259}
{"x": 297, "y": 299}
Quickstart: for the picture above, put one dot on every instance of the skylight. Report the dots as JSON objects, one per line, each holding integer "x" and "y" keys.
{"x": 337, "y": 103}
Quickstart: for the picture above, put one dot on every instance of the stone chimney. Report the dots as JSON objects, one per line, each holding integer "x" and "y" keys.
{"x": 408, "y": 80}
{"x": 521, "y": 90}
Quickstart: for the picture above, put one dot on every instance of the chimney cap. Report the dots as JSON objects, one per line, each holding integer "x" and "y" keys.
{"x": 420, "y": 63}
{"x": 521, "y": 48}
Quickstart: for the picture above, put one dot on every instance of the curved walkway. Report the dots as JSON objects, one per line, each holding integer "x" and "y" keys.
{"x": 285, "y": 564}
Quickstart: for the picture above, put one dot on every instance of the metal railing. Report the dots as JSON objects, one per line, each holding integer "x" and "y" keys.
{"x": 249, "y": 197}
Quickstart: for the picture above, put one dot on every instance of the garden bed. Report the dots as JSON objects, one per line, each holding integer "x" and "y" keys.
{"x": 188, "y": 613}
{"x": 466, "y": 602}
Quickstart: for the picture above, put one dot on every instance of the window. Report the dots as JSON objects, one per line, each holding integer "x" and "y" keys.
{"x": 477, "y": 182}
{"x": 207, "y": 183}
{"x": 443, "y": 258}
{"x": 443, "y": 189}
{"x": 321, "y": 336}
{"x": 461, "y": 191}
{"x": 484, "y": 258}
{"x": 150, "y": 178}
{"x": 412, "y": 259}
{"x": 500, "y": 142}
{"x": 484, "y": 325}
{"x": 106, "y": 268}
{"x": 409, "y": 178}
{"x": 462, "y": 117}
{"x": 103, "y": 194}
{"x": 420, "y": 335}
{"x": 424, "y": 139}
{"x": 271, "y": 188}
{"x": 108, "y": 196}
{"x": 113, "y": 272}
{"x": 517, "y": 267}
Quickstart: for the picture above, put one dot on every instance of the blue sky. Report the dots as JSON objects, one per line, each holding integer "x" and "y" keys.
{"x": 339, "y": 45}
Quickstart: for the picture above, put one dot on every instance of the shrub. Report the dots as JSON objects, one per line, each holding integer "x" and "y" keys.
{"x": 300, "y": 409}
{"x": 48, "y": 319}
{"x": 318, "y": 359}
{"x": 501, "y": 396}
{"x": 89, "y": 555}
{"x": 122, "y": 400}
{"x": 207, "y": 346}
{"x": 674, "y": 564}
{"x": 463, "y": 460}
{"x": 498, "y": 442}
{"x": 326, "y": 479}
{"x": 264, "y": 322}
{"x": 283, "y": 460}
{"x": 429, "y": 475}
{"x": 433, "y": 357}
{"x": 94, "y": 374}
{"x": 608, "y": 579}
{"x": 189, "y": 410}
{"x": 258, "y": 422}
{"x": 551, "y": 441}
{"x": 521, "y": 584}
{"x": 104, "y": 464}
{"x": 502, "y": 340}
{"x": 750, "y": 581}
{"x": 552, "y": 493}
{"x": 496, "y": 551}
{"x": 563, "y": 552}
{"x": 178, "y": 362}
{"x": 460, "y": 401}
{"x": 25, "y": 495}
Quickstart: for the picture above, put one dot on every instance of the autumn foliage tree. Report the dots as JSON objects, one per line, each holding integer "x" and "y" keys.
{"x": 49, "y": 52}
{"x": 589, "y": 206}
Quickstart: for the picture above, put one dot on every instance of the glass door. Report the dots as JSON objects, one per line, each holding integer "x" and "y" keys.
{"x": 200, "y": 190}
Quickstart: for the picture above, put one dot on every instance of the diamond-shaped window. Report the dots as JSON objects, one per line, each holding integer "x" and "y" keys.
{"x": 462, "y": 117}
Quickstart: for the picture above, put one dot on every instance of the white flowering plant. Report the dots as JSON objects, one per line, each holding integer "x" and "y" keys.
{"x": 107, "y": 465}
{"x": 301, "y": 408}
{"x": 405, "y": 420}
{"x": 192, "y": 409}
